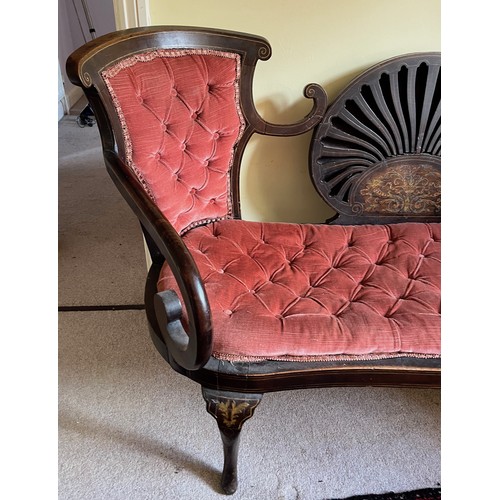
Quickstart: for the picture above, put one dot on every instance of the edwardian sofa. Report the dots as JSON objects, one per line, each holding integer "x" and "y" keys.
{"x": 244, "y": 308}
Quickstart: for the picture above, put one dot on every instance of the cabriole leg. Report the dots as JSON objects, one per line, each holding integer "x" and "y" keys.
{"x": 231, "y": 410}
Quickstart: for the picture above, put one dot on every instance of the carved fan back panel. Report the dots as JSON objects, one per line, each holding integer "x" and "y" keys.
{"x": 376, "y": 155}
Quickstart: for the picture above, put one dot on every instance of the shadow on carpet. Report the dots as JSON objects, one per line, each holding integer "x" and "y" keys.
{"x": 425, "y": 494}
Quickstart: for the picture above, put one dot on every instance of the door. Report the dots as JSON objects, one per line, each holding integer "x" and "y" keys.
{"x": 77, "y": 21}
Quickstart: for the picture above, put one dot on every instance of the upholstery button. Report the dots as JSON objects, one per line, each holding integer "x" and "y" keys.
{"x": 228, "y": 312}
{"x": 216, "y": 136}
{"x": 279, "y": 316}
{"x": 212, "y": 201}
{"x": 183, "y": 146}
{"x": 157, "y": 156}
{"x": 206, "y": 163}
{"x": 173, "y": 92}
{"x": 140, "y": 100}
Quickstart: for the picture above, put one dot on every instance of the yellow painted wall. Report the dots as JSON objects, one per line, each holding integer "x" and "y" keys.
{"x": 324, "y": 41}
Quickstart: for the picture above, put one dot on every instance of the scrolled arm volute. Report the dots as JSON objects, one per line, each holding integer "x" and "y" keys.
{"x": 191, "y": 347}
{"x": 312, "y": 91}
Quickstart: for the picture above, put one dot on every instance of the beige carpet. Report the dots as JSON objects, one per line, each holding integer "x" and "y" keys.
{"x": 101, "y": 254}
{"x": 131, "y": 428}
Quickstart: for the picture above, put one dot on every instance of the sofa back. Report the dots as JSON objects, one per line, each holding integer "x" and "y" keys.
{"x": 181, "y": 119}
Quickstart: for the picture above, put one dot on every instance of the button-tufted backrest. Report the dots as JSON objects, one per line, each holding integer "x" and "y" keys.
{"x": 181, "y": 120}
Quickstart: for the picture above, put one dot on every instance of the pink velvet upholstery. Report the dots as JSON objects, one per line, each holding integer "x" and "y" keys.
{"x": 317, "y": 292}
{"x": 277, "y": 291}
{"x": 181, "y": 119}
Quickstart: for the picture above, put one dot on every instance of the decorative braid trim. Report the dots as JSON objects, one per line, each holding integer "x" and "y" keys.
{"x": 149, "y": 56}
{"x": 333, "y": 357}
{"x": 203, "y": 222}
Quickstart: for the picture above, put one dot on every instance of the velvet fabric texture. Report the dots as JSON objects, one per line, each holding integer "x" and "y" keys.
{"x": 277, "y": 291}
{"x": 180, "y": 116}
{"x": 316, "y": 292}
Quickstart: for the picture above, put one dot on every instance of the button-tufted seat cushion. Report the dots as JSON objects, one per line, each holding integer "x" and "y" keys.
{"x": 316, "y": 292}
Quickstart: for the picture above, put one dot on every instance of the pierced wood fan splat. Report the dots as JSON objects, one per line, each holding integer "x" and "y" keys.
{"x": 377, "y": 151}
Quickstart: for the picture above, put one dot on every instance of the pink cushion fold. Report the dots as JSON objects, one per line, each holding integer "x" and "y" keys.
{"x": 311, "y": 292}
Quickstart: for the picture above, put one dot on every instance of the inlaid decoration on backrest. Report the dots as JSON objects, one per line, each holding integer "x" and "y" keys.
{"x": 400, "y": 187}
{"x": 181, "y": 120}
{"x": 377, "y": 151}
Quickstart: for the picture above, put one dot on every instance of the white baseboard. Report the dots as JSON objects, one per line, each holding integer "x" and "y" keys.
{"x": 61, "y": 111}
{"x": 73, "y": 95}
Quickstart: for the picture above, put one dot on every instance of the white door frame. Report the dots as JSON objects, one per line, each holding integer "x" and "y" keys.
{"x": 131, "y": 13}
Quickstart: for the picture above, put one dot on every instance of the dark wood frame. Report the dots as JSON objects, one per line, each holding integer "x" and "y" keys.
{"x": 231, "y": 390}
{"x": 388, "y": 119}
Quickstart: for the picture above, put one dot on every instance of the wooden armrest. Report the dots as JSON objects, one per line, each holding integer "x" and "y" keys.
{"x": 311, "y": 91}
{"x": 191, "y": 349}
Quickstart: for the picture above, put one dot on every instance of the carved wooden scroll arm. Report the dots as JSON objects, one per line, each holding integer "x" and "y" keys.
{"x": 191, "y": 349}
{"x": 312, "y": 91}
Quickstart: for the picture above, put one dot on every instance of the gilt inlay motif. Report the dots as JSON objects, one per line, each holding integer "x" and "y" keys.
{"x": 231, "y": 413}
{"x": 406, "y": 189}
